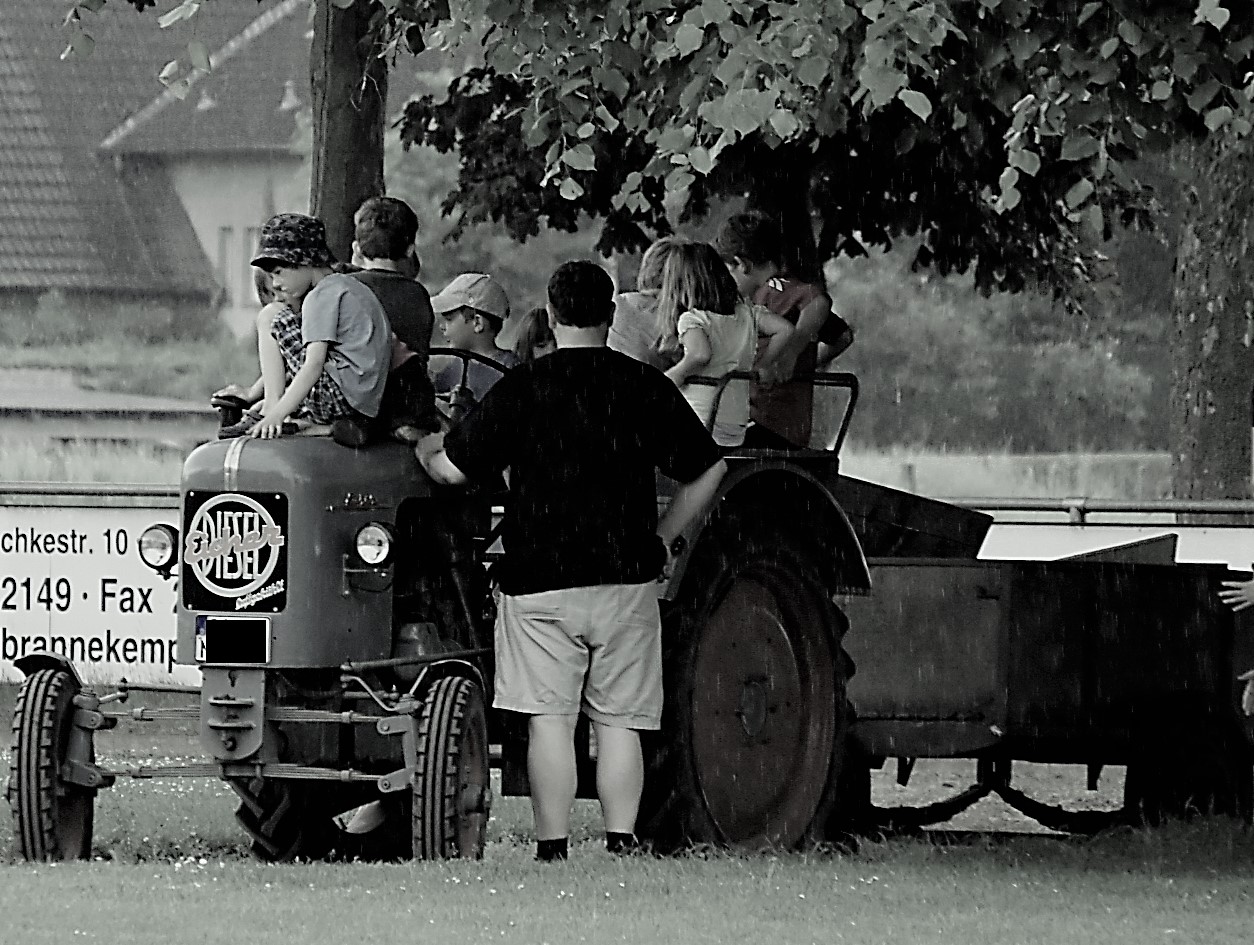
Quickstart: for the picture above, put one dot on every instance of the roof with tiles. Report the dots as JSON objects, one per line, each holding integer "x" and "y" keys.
{"x": 76, "y": 215}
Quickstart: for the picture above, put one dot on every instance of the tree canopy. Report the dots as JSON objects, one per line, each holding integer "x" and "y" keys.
{"x": 1003, "y": 133}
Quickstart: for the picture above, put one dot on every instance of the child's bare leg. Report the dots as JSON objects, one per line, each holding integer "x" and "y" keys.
{"x": 273, "y": 370}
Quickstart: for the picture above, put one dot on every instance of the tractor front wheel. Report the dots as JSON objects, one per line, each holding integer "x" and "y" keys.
{"x": 452, "y": 789}
{"x": 52, "y": 818}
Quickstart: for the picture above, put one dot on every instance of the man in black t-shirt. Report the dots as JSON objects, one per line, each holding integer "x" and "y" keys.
{"x": 582, "y": 432}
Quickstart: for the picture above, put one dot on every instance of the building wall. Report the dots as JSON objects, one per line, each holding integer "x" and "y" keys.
{"x": 228, "y": 199}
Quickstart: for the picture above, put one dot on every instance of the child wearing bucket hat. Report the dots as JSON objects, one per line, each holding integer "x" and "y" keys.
{"x": 335, "y": 356}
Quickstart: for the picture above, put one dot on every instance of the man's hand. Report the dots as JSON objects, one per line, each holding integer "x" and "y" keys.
{"x": 1247, "y": 696}
{"x": 428, "y": 446}
{"x": 673, "y": 550}
{"x": 430, "y": 453}
{"x": 1239, "y": 596}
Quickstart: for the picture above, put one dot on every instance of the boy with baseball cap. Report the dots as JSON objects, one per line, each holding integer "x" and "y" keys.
{"x": 470, "y": 312}
{"x": 336, "y": 357}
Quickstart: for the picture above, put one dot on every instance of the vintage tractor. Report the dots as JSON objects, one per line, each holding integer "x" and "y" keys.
{"x": 337, "y": 605}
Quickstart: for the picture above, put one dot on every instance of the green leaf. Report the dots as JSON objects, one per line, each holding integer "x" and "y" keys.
{"x": 570, "y": 189}
{"x": 1027, "y": 161}
{"x": 1109, "y": 47}
{"x": 1079, "y": 146}
{"x": 715, "y": 11}
{"x": 882, "y": 83}
{"x": 198, "y": 55}
{"x": 784, "y": 124}
{"x": 700, "y": 160}
{"x": 917, "y": 102}
{"x": 168, "y": 71}
{"x": 1079, "y": 193}
{"x": 184, "y": 10}
{"x": 607, "y": 118}
{"x": 1009, "y": 177}
{"x": 1161, "y": 90}
{"x": 1087, "y": 13}
{"x": 1130, "y": 32}
{"x": 586, "y": 130}
{"x": 1094, "y": 221}
{"x": 688, "y": 39}
{"x": 1216, "y": 118}
{"x": 612, "y": 81}
{"x": 580, "y": 158}
{"x": 1210, "y": 11}
{"x": 812, "y": 71}
{"x": 343, "y": 4}
{"x": 1203, "y": 95}
{"x": 1010, "y": 198}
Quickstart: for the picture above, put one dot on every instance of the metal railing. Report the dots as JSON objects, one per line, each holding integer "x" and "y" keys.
{"x": 1078, "y": 509}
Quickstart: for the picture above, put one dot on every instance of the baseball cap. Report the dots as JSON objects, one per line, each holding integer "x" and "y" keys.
{"x": 473, "y": 290}
{"x": 293, "y": 239}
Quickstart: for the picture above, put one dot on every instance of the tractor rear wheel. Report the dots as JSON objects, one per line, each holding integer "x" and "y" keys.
{"x": 52, "y": 819}
{"x": 753, "y": 732}
{"x": 287, "y": 820}
{"x": 452, "y": 789}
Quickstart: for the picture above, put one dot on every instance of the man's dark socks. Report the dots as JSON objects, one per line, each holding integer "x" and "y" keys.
{"x": 547, "y": 851}
{"x": 621, "y": 842}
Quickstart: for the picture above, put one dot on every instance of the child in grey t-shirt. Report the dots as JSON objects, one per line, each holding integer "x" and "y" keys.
{"x": 336, "y": 357}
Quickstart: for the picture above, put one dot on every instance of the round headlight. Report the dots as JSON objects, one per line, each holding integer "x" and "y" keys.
{"x": 157, "y": 546}
{"x": 374, "y": 544}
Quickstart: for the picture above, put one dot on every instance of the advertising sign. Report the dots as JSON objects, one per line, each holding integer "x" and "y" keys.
{"x": 72, "y": 583}
{"x": 234, "y": 556}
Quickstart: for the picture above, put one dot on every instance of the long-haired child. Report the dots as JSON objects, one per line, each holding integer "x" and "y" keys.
{"x": 703, "y": 321}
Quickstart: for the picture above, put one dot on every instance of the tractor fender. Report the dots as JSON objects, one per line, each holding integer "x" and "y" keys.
{"x": 34, "y": 662}
{"x": 794, "y": 498}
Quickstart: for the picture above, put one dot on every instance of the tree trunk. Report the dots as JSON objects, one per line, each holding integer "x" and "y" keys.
{"x": 1213, "y": 316}
{"x": 349, "y": 86}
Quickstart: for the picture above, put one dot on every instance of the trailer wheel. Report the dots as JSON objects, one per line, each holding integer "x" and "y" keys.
{"x": 1189, "y": 770}
{"x": 452, "y": 788}
{"x": 52, "y": 819}
{"x": 287, "y": 820}
{"x": 753, "y": 732}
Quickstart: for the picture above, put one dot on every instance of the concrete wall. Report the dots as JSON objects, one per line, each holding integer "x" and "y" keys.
{"x": 228, "y": 199}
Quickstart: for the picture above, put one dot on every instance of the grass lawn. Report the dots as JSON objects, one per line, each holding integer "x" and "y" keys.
{"x": 172, "y": 867}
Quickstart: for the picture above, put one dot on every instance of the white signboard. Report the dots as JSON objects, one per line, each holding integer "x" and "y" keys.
{"x": 72, "y": 583}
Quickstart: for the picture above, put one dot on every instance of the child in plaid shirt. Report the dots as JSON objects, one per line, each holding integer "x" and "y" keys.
{"x": 335, "y": 353}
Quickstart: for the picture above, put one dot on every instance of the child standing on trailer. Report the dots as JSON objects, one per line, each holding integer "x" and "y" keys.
{"x": 751, "y": 244}
{"x": 702, "y": 320}
{"x": 336, "y": 358}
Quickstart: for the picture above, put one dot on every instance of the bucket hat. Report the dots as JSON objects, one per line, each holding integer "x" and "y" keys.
{"x": 293, "y": 239}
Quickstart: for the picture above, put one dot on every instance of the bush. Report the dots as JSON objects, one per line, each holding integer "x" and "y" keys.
{"x": 941, "y": 365}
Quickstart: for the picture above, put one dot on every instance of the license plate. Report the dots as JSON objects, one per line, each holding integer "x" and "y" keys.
{"x": 232, "y": 640}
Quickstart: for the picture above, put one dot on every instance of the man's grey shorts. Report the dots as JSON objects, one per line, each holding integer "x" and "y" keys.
{"x": 592, "y": 649}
